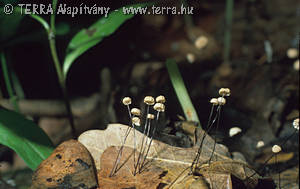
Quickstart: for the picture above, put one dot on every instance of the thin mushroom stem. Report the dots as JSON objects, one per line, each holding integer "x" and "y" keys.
{"x": 143, "y": 139}
{"x": 135, "y": 122}
{"x": 213, "y": 121}
{"x": 113, "y": 171}
{"x": 197, "y": 158}
{"x": 146, "y": 144}
{"x": 151, "y": 139}
{"x": 116, "y": 168}
{"x": 210, "y": 116}
{"x": 266, "y": 162}
{"x": 276, "y": 164}
{"x": 134, "y": 147}
{"x": 214, "y": 101}
{"x": 215, "y": 138}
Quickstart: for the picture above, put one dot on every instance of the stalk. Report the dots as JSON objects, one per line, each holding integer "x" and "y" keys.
{"x": 58, "y": 68}
{"x": 7, "y": 80}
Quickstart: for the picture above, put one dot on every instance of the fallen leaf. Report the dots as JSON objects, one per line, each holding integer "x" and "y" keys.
{"x": 288, "y": 178}
{"x": 223, "y": 169}
{"x": 96, "y": 141}
{"x": 191, "y": 182}
{"x": 174, "y": 160}
{"x": 189, "y": 128}
{"x": 149, "y": 178}
{"x": 281, "y": 157}
{"x": 219, "y": 180}
{"x": 199, "y": 183}
{"x": 69, "y": 166}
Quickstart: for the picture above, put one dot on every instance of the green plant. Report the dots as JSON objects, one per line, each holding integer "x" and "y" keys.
{"x": 26, "y": 138}
{"x": 8, "y": 82}
{"x": 22, "y": 135}
{"x": 181, "y": 92}
{"x": 79, "y": 44}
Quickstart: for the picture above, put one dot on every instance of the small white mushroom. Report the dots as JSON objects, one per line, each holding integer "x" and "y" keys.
{"x": 160, "y": 99}
{"x": 224, "y": 92}
{"x": 234, "y": 131}
{"x": 296, "y": 124}
{"x": 260, "y": 144}
{"x": 150, "y": 116}
{"x": 149, "y": 100}
{"x": 276, "y": 149}
{"x": 159, "y": 107}
{"x": 135, "y": 111}
{"x": 136, "y": 121}
{"x": 221, "y": 101}
{"x": 201, "y": 42}
{"x": 126, "y": 101}
{"x": 292, "y": 53}
{"x": 214, "y": 101}
{"x": 190, "y": 57}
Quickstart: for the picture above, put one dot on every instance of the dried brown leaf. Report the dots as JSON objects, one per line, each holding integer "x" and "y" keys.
{"x": 149, "y": 178}
{"x": 199, "y": 183}
{"x": 69, "y": 166}
{"x": 281, "y": 157}
{"x": 176, "y": 161}
{"x": 96, "y": 141}
{"x": 219, "y": 180}
{"x": 288, "y": 178}
{"x": 189, "y": 128}
{"x": 225, "y": 169}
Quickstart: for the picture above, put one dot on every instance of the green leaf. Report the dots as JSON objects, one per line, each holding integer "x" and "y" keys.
{"x": 41, "y": 21}
{"x": 27, "y": 139}
{"x": 87, "y": 38}
{"x": 8, "y": 82}
{"x": 181, "y": 91}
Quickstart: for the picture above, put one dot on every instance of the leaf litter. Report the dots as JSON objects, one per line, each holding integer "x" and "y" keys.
{"x": 124, "y": 178}
{"x": 75, "y": 165}
{"x": 168, "y": 166}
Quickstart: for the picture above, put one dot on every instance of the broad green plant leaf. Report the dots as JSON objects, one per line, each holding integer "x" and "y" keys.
{"x": 87, "y": 38}
{"x": 27, "y": 139}
{"x": 181, "y": 92}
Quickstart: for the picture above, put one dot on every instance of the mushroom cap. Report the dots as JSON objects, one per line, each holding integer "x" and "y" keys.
{"x": 126, "y": 101}
{"x": 276, "y": 149}
{"x": 234, "y": 131}
{"x": 160, "y": 107}
{"x": 149, "y": 100}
